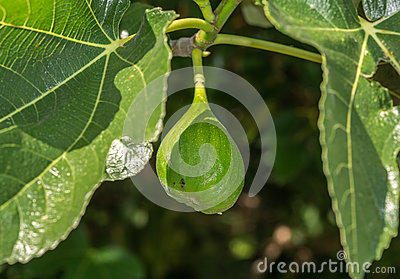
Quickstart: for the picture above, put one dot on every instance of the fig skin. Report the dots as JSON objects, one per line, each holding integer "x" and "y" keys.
{"x": 199, "y": 164}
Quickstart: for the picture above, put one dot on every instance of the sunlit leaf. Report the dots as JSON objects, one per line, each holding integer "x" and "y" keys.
{"x": 60, "y": 110}
{"x": 359, "y": 126}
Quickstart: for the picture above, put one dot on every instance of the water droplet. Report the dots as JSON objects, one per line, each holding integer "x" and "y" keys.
{"x": 126, "y": 158}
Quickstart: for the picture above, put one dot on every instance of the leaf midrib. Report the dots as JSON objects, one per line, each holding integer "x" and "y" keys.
{"x": 349, "y": 146}
{"x": 22, "y": 27}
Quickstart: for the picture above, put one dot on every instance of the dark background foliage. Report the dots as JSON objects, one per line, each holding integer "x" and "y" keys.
{"x": 123, "y": 235}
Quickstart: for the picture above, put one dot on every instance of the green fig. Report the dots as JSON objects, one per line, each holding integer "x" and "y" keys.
{"x": 198, "y": 163}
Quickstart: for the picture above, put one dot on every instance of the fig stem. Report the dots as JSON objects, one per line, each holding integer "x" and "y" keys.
{"x": 222, "y": 13}
{"x": 199, "y": 81}
{"x": 206, "y": 9}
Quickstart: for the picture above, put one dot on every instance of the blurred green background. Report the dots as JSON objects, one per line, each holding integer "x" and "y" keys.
{"x": 123, "y": 235}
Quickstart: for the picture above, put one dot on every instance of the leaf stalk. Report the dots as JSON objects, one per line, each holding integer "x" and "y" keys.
{"x": 187, "y": 23}
{"x": 226, "y": 39}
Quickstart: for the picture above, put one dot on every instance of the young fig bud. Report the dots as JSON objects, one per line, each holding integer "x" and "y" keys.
{"x": 199, "y": 164}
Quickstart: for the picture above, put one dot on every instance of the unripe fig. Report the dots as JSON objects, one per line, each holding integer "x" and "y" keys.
{"x": 199, "y": 164}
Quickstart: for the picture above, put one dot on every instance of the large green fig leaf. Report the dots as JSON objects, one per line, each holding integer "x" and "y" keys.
{"x": 359, "y": 126}
{"x": 199, "y": 164}
{"x": 60, "y": 110}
